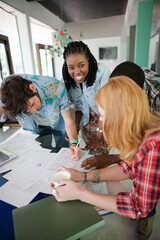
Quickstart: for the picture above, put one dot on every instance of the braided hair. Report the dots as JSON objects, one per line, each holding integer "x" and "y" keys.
{"x": 82, "y": 48}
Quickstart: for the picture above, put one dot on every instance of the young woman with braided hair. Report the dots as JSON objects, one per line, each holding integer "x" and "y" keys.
{"x": 83, "y": 77}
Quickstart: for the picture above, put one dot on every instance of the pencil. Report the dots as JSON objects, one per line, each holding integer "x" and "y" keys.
{"x": 77, "y": 144}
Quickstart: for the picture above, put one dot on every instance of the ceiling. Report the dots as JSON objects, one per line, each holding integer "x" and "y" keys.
{"x": 82, "y": 10}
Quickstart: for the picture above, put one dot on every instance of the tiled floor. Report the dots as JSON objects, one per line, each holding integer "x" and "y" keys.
{"x": 116, "y": 227}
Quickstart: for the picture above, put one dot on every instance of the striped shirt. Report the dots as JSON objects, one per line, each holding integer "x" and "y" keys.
{"x": 152, "y": 89}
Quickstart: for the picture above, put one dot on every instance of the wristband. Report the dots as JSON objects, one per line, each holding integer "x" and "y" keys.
{"x": 84, "y": 176}
{"x": 99, "y": 130}
{"x": 96, "y": 177}
{"x": 74, "y": 141}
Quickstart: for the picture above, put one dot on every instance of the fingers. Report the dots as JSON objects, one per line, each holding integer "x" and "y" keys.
{"x": 88, "y": 166}
{"x": 59, "y": 199}
{"x": 51, "y": 186}
{"x": 75, "y": 152}
{"x": 67, "y": 138}
{"x": 89, "y": 163}
{"x": 89, "y": 160}
{"x": 72, "y": 153}
{"x": 62, "y": 169}
{"x": 56, "y": 190}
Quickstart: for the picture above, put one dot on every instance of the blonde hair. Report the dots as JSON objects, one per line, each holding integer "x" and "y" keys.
{"x": 127, "y": 117}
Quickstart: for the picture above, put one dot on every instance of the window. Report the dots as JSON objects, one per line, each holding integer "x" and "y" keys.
{"x": 6, "y": 67}
{"x": 45, "y": 60}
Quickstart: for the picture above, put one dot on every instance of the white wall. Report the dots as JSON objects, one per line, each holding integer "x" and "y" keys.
{"x": 37, "y": 11}
{"x": 153, "y": 50}
{"x": 99, "y": 28}
{"x": 94, "y": 45}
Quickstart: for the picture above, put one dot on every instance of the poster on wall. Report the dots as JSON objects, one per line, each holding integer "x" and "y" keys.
{"x": 108, "y": 53}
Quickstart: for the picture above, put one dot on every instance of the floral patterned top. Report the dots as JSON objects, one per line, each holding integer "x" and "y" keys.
{"x": 54, "y": 99}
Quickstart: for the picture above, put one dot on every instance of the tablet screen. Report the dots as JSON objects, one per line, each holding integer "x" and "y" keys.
{"x": 6, "y": 156}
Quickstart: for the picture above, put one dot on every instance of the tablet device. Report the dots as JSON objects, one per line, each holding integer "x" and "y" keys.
{"x": 6, "y": 156}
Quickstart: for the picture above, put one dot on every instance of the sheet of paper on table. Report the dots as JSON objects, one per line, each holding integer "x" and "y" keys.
{"x": 63, "y": 159}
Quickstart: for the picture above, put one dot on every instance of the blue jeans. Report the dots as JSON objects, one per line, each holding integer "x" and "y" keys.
{"x": 152, "y": 213}
{"x": 46, "y": 135}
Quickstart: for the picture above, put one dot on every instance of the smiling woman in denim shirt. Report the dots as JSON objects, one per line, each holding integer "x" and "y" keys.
{"x": 83, "y": 77}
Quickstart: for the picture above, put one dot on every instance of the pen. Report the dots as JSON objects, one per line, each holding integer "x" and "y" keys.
{"x": 77, "y": 144}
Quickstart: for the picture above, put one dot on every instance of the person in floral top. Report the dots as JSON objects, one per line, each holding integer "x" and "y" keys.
{"x": 38, "y": 102}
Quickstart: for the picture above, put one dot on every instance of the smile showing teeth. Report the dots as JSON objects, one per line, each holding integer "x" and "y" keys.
{"x": 78, "y": 77}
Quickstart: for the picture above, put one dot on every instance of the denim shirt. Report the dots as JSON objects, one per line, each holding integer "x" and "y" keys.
{"x": 54, "y": 99}
{"x": 82, "y": 100}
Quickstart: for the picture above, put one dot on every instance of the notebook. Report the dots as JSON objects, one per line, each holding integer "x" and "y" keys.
{"x": 48, "y": 219}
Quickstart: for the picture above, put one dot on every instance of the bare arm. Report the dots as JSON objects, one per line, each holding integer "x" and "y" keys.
{"x": 70, "y": 126}
{"x": 72, "y": 191}
{"x": 110, "y": 174}
{"x": 71, "y": 130}
{"x": 113, "y": 173}
{"x": 1, "y": 110}
{"x": 107, "y": 202}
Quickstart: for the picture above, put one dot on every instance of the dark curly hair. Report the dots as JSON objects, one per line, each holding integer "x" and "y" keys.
{"x": 82, "y": 48}
{"x": 15, "y": 93}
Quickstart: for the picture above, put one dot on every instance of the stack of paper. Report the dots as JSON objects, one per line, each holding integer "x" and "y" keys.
{"x": 32, "y": 169}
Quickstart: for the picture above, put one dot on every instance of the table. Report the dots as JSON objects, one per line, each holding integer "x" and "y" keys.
{"x": 125, "y": 226}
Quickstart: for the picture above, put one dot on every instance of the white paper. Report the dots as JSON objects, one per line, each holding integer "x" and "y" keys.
{"x": 63, "y": 159}
{"x": 32, "y": 169}
{"x": 100, "y": 188}
{"x": 16, "y": 196}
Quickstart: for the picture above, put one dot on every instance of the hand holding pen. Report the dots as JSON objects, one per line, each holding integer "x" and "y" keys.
{"x": 76, "y": 151}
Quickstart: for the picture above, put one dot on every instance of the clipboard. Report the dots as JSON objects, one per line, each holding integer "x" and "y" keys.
{"x": 48, "y": 219}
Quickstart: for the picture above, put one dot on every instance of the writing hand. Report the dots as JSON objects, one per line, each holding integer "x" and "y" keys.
{"x": 75, "y": 152}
